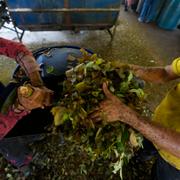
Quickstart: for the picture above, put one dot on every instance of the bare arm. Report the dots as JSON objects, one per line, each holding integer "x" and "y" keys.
{"x": 112, "y": 109}
{"x": 40, "y": 97}
{"x": 23, "y": 57}
{"x": 164, "y": 138}
{"x": 31, "y": 68}
{"x": 154, "y": 74}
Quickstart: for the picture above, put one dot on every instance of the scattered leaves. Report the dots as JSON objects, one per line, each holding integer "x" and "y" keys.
{"x": 82, "y": 92}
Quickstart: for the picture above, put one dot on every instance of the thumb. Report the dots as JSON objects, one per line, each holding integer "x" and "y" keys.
{"x": 106, "y": 91}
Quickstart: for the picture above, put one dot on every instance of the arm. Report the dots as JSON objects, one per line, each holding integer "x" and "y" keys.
{"x": 154, "y": 74}
{"x": 26, "y": 60}
{"x": 151, "y": 74}
{"x": 23, "y": 57}
{"x": 40, "y": 97}
{"x": 112, "y": 109}
{"x": 164, "y": 138}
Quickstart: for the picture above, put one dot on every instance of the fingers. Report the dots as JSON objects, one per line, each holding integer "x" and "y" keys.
{"x": 95, "y": 116}
{"x": 48, "y": 100}
{"x": 106, "y": 91}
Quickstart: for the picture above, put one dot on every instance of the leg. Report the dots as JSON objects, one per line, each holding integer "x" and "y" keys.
{"x": 147, "y": 152}
{"x": 162, "y": 170}
{"x": 126, "y": 6}
{"x": 16, "y": 151}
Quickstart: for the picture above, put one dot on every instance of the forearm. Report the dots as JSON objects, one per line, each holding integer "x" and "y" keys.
{"x": 154, "y": 74}
{"x": 31, "y": 69}
{"x": 164, "y": 138}
{"x": 23, "y": 57}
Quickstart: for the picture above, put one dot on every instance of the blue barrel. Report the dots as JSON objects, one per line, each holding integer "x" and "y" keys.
{"x": 155, "y": 10}
{"x": 63, "y": 14}
{"x": 170, "y": 15}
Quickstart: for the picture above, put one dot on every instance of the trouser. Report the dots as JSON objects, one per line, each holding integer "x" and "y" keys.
{"x": 161, "y": 170}
{"x": 14, "y": 147}
{"x": 16, "y": 151}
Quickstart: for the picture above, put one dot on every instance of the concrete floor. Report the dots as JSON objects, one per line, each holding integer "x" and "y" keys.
{"x": 134, "y": 42}
{"x": 164, "y": 44}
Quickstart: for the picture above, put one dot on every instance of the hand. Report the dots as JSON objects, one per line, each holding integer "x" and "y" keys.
{"x": 112, "y": 109}
{"x": 31, "y": 68}
{"x": 31, "y": 97}
{"x": 154, "y": 74}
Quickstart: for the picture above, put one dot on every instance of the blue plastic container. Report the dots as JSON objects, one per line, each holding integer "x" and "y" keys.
{"x": 170, "y": 15}
{"x": 155, "y": 10}
{"x": 64, "y": 14}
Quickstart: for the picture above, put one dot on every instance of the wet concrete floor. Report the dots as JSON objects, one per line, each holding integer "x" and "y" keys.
{"x": 134, "y": 42}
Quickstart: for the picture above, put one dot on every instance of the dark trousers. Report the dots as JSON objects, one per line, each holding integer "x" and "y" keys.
{"x": 162, "y": 170}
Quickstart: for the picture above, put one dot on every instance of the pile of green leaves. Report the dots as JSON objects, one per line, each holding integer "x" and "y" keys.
{"x": 82, "y": 93}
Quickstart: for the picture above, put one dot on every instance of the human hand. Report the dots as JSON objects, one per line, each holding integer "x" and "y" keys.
{"x": 31, "y": 97}
{"x": 112, "y": 109}
{"x": 31, "y": 69}
{"x": 156, "y": 75}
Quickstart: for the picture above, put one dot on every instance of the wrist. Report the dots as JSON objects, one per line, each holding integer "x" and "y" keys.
{"x": 35, "y": 79}
{"x": 29, "y": 64}
{"x": 131, "y": 118}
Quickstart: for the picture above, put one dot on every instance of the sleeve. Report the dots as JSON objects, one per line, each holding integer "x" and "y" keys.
{"x": 176, "y": 66}
{"x": 8, "y": 121}
{"x": 18, "y": 51}
{"x": 13, "y": 49}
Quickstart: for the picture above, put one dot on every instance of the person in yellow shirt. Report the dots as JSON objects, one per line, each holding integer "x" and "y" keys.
{"x": 164, "y": 129}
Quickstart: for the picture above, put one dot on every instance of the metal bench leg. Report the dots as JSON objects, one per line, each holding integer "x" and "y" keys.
{"x": 112, "y": 33}
{"x": 19, "y": 34}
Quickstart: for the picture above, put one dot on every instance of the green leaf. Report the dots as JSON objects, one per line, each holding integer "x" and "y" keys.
{"x": 95, "y": 93}
{"x": 49, "y": 69}
{"x": 89, "y": 64}
{"x": 120, "y": 147}
{"x": 124, "y": 87}
{"x": 82, "y": 86}
{"x": 99, "y": 61}
{"x": 130, "y": 77}
{"x": 125, "y": 136}
{"x": 82, "y": 93}
{"x": 111, "y": 88}
{"x": 139, "y": 92}
{"x": 97, "y": 134}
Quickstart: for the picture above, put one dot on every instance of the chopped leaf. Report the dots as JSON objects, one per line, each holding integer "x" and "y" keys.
{"x": 60, "y": 115}
{"x": 82, "y": 90}
{"x": 139, "y": 92}
{"x": 49, "y": 69}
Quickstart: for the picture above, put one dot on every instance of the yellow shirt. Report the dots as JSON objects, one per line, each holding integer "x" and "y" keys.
{"x": 168, "y": 114}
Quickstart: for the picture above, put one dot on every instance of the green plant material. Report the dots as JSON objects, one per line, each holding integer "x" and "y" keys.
{"x": 49, "y": 69}
{"x": 139, "y": 92}
{"x": 82, "y": 93}
{"x": 60, "y": 114}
